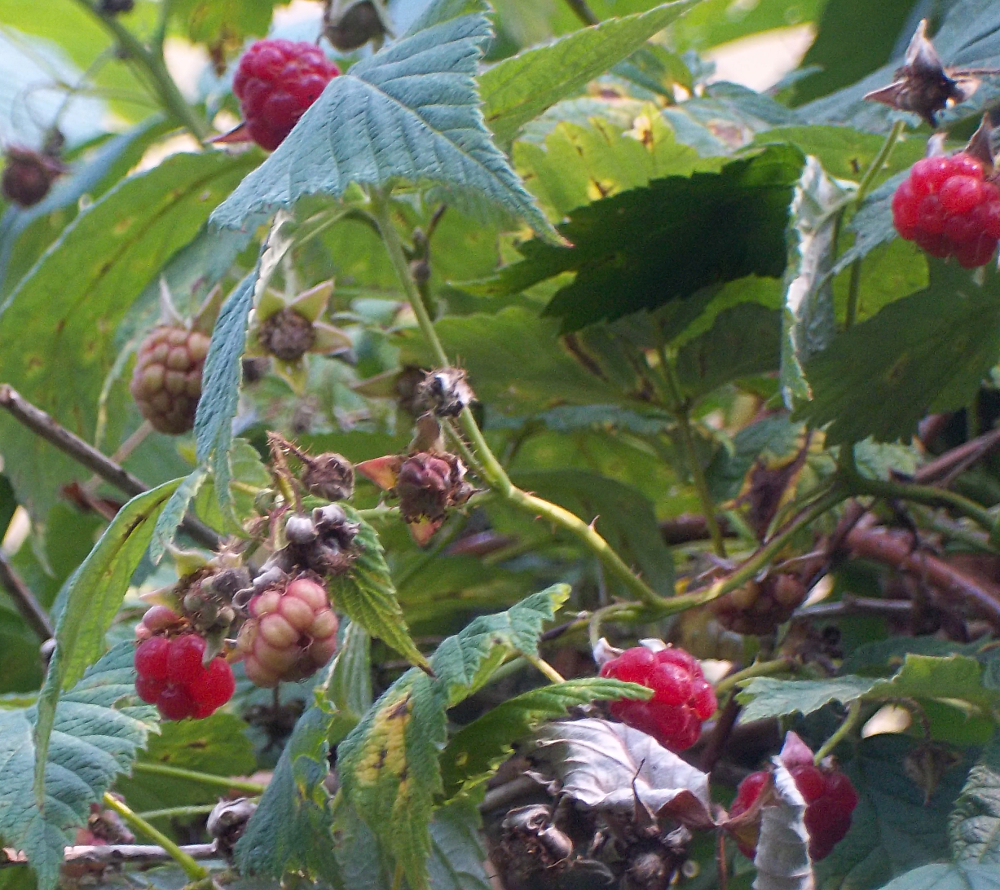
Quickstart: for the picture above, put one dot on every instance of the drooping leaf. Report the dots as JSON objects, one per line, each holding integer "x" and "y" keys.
{"x": 221, "y": 379}
{"x": 414, "y": 116}
{"x": 217, "y": 745}
{"x": 350, "y": 685}
{"x": 463, "y": 662}
{"x": 97, "y": 731}
{"x": 291, "y": 829}
{"x": 610, "y": 765}
{"x": 366, "y": 594}
{"x": 809, "y": 321}
{"x": 896, "y": 825}
{"x": 479, "y": 747}
{"x": 924, "y": 353}
{"x": 87, "y": 280}
{"x": 457, "y": 855}
{"x": 645, "y": 247}
{"x": 93, "y": 597}
{"x": 390, "y": 773}
{"x": 974, "y": 825}
{"x": 521, "y": 87}
{"x": 782, "y": 858}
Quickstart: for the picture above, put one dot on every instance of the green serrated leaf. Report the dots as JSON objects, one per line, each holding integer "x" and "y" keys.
{"x": 291, "y": 828}
{"x": 220, "y": 388}
{"x": 474, "y": 752}
{"x": 520, "y": 88}
{"x": 924, "y": 353}
{"x": 366, "y": 594}
{"x": 94, "y": 594}
{"x": 457, "y": 855}
{"x": 414, "y": 116}
{"x": 648, "y": 246}
{"x": 96, "y": 733}
{"x": 87, "y": 281}
{"x": 974, "y": 825}
{"x": 765, "y": 697}
{"x": 350, "y": 686}
{"x": 462, "y": 663}
{"x": 389, "y": 770}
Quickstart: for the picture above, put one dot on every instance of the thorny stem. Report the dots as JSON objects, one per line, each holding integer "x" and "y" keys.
{"x": 493, "y": 473}
{"x": 854, "y": 284}
{"x": 191, "y": 868}
{"x": 680, "y": 409}
{"x": 842, "y": 731}
{"x": 760, "y": 669}
{"x": 177, "y": 772}
{"x": 151, "y": 61}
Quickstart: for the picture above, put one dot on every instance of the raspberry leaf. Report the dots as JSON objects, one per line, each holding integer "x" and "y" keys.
{"x": 389, "y": 769}
{"x": 97, "y": 731}
{"x": 924, "y": 353}
{"x": 782, "y": 858}
{"x": 463, "y": 662}
{"x": 295, "y": 806}
{"x": 367, "y": 595}
{"x": 974, "y": 824}
{"x": 173, "y": 514}
{"x": 765, "y": 697}
{"x": 414, "y": 117}
{"x": 648, "y": 246}
{"x": 947, "y": 877}
{"x": 611, "y": 766}
{"x": 479, "y": 747}
{"x": 520, "y": 88}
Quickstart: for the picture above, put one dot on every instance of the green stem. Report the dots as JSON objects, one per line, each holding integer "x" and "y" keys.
{"x": 493, "y": 473}
{"x": 152, "y": 64}
{"x": 845, "y": 728}
{"x": 178, "y": 812}
{"x": 681, "y": 411}
{"x": 760, "y": 669}
{"x": 176, "y": 772}
{"x": 543, "y": 667}
{"x": 864, "y": 187}
{"x": 923, "y": 494}
{"x": 191, "y": 868}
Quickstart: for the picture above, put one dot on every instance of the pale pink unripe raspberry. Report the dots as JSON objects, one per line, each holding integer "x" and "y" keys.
{"x": 290, "y": 634}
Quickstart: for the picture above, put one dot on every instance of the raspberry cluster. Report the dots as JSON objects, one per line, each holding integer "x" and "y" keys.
{"x": 172, "y": 675}
{"x": 290, "y": 634}
{"x": 276, "y": 81}
{"x": 830, "y": 799}
{"x": 760, "y": 606}
{"x": 682, "y": 697}
{"x": 948, "y": 207}
{"x": 166, "y": 383}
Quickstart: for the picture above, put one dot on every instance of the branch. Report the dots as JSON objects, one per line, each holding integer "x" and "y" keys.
{"x": 895, "y": 548}
{"x": 35, "y": 616}
{"x": 82, "y": 452}
{"x": 112, "y": 854}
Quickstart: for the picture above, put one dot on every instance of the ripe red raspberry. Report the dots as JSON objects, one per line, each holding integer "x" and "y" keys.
{"x": 276, "y": 81}
{"x": 830, "y": 799}
{"x": 289, "y": 635}
{"x": 172, "y": 676}
{"x": 948, "y": 207}
{"x": 166, "y": 383}
{"x": 682, "y": 697}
